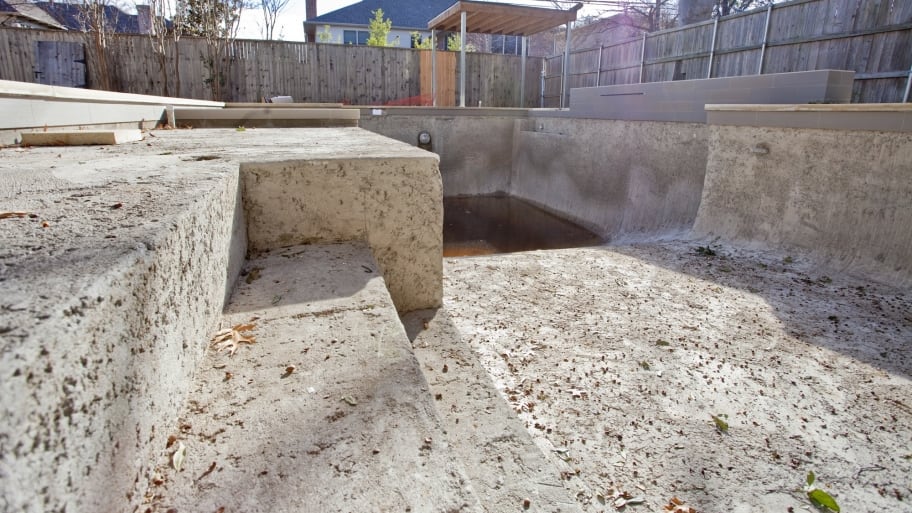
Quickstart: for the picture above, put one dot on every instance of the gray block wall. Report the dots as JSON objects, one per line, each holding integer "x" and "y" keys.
{"x": 685, "y": 100}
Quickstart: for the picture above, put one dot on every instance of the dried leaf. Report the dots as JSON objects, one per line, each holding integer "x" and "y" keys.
{"x": 349, "y": 400}
{"x": 229, "y": 339}
{"x": 177, "y": 459}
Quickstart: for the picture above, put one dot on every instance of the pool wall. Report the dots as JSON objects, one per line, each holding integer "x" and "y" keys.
{"x": 834, "y": 181}
{"x": 617, "y": 178}
{"x": 475, "y": 145}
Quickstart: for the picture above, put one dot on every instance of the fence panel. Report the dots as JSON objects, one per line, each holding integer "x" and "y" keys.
{"x": 252, "y": 70}
{"x": 872, "y": 38}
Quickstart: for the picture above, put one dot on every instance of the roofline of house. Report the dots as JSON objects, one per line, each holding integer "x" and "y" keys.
{"x": 319, "y": 24}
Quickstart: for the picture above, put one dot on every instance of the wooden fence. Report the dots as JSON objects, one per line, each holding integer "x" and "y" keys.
{"x": 873, "y": 38}
{"x": 252, "y": 70}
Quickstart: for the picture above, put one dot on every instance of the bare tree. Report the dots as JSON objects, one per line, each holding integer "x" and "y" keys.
{"x": 271, "y": 10}
{"x": 652, "y": 15}
{"x": 217, "y": 21}
{"x": 165, "y": 32}
{"x": 98, "y": 20}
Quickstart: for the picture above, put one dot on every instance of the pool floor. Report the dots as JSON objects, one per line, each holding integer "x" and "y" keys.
{"x": 484, "y": 225}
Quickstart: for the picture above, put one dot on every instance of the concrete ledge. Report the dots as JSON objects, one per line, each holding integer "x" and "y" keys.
{"x": 13, "y": 89}
{"x": 30, "y": 107}
{"x": 888, "y": 117}
{"x": 684, "y": 100}
{"x": 266, "y": 116}
{"x": 81, "y": 138}
{"x": 356, "y": 186}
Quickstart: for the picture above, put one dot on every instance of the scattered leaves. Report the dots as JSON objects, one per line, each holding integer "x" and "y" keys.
{"x": 721, "y": 425}
{"x": 349, "y": 400}
{"x": 645, "y": 365}
{"x": 229, "y": 339}
{"x": 662, "y": 343}
{"x": 177, "y": 459}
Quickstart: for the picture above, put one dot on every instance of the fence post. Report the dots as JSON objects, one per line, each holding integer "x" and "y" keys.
{"x": 462, "y": 64}
{"x": 712, "y": 49}
{"x": 433, "y": 68}
{"x": 522, "y": 72}
{"x": 541, "y": 100}
{"x": 598, "y": 69}
{"x": 566, "y": 67}
{"x": 643, "y": 57}
{"x": 766, "y": 29}
{"x": 908, "y": 86}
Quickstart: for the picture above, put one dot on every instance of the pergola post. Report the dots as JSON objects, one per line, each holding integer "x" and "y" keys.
{"x": 522, "y": 78}
{"x": 434, "y": 68}
{"x": 566, "y": 66}
{"x": 462, "y": 64}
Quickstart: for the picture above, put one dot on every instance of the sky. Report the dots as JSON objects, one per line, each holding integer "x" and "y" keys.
{"x": 290, "y": 26}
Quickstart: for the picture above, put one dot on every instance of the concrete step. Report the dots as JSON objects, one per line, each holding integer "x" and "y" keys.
{"x": 507, "y": 470}
{"x": 327, "y": 411}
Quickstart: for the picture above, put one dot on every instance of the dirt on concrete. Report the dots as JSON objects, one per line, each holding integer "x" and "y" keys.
{"x": 694, "y": 375}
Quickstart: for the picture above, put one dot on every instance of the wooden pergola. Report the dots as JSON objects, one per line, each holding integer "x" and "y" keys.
{"x": 496, "y": 18}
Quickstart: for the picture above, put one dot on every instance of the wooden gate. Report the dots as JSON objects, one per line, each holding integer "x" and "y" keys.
{"x": 61, "y": 63}
{"x": 446, "y": 77}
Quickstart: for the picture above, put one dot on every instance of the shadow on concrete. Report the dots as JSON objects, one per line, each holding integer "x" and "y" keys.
{"x": 853, "y": 315}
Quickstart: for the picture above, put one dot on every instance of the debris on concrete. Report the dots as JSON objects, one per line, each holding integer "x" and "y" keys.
{"x": 813, "y": 369}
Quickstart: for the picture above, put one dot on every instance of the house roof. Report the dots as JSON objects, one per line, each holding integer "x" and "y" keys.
{"x": 405, "y": 14}
{"x": 28, "y": 11}
{"x": 71, "y": 16}
{"x": 497, "y": 18}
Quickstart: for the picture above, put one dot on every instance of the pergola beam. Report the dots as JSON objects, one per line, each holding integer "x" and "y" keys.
{"x": 467, "y": 16}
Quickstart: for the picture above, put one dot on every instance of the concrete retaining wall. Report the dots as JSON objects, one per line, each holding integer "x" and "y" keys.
{"x": 115, "y": 279}
{"x": 103, "y": 317}
{"x": 614, "y": 177}
{"x": 842, "y": 195}
{"x": 474, "y": 145}
{"x": 394, "y": 203}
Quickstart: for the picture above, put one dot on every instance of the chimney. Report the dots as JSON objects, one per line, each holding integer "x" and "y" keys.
{"x": 310, "y": 7}
{"x": 144, "y": 19}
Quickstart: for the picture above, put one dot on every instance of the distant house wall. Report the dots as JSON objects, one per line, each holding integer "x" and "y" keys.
{"x": 338, "y": 35}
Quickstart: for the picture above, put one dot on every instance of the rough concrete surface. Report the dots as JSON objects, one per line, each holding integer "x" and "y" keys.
{"x": 617, "y": 359}
{"x": 844, "y": 195}
{"x": 372, "y": 189}
{"x": 327, "y": 411}
{"x": 123, "y": 258}
{"x": 614, "y": 177}
{"x": 505, "y": 467}
{"x": 112, "y": 280}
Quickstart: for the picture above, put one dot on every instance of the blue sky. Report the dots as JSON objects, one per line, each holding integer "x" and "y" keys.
{"x": 290, "y": 25}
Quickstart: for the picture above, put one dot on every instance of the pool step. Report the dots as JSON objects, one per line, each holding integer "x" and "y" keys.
{"x": 508, "y": 471}
{"x": 327, "y": 411}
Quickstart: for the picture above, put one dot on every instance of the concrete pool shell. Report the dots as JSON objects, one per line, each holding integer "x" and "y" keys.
{"x": 795, "y": 256}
